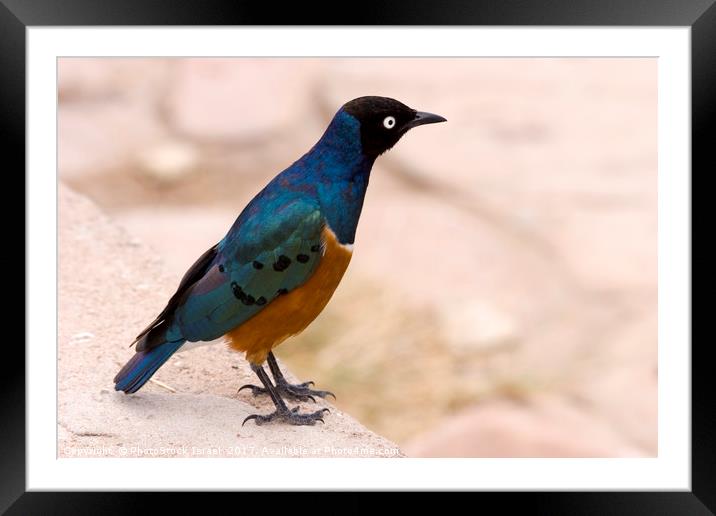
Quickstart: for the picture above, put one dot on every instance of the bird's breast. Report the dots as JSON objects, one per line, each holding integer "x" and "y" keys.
{"x": 291, "y": 313}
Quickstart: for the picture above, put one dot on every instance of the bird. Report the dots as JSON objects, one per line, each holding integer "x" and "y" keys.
{"x": 282, "y": 259}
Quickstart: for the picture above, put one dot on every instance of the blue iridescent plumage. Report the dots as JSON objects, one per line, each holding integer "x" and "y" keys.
{"x": 326, "y": 186}
{"x": 276, "y": 245}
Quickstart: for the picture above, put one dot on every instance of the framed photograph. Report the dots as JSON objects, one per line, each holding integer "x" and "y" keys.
{"x": 517, "y": 311}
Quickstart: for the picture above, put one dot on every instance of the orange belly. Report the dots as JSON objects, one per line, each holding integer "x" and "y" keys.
{"x": 291, "y": 313}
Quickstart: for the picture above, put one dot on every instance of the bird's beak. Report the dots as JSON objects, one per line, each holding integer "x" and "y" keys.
{"x": 422, "y": 118}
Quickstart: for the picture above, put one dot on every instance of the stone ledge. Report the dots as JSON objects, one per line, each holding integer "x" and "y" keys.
{"x": 110, "y": 286}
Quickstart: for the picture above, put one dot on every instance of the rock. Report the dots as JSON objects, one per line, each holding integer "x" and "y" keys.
{"x": 198, "y": 227}
{"x": 92, "y": 79}
{"x": 624, "y": 392}
{"x": 611, "y": 250}
{"x": 169, "y": 161}
{"x": 96, "y": 139}
{"x": 536, "y": 427}
{"x": 238, "y": 99}
{"x": 476, "y": 326}
{"x": 82, "y": 336}
{"x": 203, "y": 418}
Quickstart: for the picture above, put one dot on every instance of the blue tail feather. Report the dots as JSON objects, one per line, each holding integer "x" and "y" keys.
{"x": 143, "y": 365}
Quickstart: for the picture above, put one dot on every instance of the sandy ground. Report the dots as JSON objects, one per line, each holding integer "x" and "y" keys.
{"x": 110, "y": 285}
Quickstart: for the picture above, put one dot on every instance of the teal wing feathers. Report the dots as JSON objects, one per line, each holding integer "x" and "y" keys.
{"x": 258, "y": 261}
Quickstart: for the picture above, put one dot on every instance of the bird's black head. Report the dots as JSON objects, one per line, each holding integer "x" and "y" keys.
{"x": 383, "y": 121}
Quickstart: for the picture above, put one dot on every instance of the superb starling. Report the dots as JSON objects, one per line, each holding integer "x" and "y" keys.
{"x": 282, "y": 259}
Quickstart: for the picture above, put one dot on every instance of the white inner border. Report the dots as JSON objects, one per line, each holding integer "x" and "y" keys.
{"x": 671, "y": 470}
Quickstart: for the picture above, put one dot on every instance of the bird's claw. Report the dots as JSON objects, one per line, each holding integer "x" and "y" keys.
{"x": 300, "y": 392}
{"x": 255, "y": 389}
{"x": 292, "y": 417}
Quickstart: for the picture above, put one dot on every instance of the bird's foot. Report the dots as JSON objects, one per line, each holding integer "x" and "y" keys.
{"x": 300, "y": 392}
{"x": 291, "y": 417}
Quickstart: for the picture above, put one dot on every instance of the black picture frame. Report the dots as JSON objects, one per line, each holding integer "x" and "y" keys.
{"x": 17, "y": 15}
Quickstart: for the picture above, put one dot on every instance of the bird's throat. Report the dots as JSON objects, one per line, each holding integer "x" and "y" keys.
{"x": 341, "y": 171}
{"x": 342, "y": 203}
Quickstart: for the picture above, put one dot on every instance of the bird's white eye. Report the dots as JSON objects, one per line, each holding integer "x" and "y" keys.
{"x": 389, "y": 122}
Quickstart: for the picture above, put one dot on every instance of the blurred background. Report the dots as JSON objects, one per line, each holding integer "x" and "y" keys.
{"x": 501, "y": 300}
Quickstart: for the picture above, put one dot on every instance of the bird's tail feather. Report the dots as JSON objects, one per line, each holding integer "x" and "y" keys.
{"x": 143, "y": 365}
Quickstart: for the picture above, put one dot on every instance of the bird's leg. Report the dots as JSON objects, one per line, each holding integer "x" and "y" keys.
{"x": 296, "y": 390}
{"x": 282, "y": 412}
{"x": 300, "y": 392}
